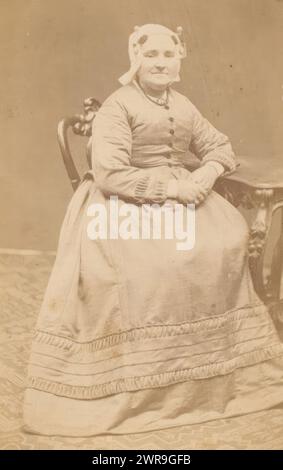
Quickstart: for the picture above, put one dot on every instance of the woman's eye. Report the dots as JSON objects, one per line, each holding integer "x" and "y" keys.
{"x": 155, "y": 54}
{"x": 150, "y": 54}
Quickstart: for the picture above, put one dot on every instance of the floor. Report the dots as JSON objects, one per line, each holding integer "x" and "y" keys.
{"x": 23, "y": 279}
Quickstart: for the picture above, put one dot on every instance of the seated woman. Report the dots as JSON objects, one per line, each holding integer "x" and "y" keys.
{"x": 135, "y": 335}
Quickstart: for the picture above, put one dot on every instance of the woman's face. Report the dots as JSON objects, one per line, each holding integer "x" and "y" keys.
{"x": 160, "y": 63}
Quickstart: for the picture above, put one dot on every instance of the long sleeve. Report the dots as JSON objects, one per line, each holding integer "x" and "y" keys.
{"x": 218, "y": 167}
{"x": 111, "y": 156}
{"x": 208, "y": 144}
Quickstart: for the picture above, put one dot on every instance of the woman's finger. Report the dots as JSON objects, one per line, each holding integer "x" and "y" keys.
{"x": 200, "y": 198}
{"x": 202, "y": 190}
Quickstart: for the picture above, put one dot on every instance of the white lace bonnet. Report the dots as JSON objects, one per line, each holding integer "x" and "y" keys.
{"x": 134, "y": 48}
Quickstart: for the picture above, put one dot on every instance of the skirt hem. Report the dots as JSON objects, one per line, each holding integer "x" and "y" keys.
{"x": 244, "y": 391}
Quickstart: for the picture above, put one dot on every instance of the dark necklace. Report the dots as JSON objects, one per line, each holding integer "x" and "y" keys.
{"x": 158, "y": 101}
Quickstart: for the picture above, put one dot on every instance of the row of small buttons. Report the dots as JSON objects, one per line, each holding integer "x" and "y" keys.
{"x": 172, "y": 132}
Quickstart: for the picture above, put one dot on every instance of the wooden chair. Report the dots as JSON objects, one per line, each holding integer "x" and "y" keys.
{"x": 81, "y": 124}
{"x": 257, "y": 184}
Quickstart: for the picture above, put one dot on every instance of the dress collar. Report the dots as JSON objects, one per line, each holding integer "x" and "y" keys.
{"x": 138, "y": 87}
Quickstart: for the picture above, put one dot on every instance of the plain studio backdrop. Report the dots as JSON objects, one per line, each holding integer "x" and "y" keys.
{"x": 55, "y": 53}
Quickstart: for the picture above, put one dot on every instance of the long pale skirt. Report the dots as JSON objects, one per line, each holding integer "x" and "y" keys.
{"x": 135, "y": 335}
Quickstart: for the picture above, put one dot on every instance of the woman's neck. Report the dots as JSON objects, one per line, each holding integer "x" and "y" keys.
{"x": 155, "y": 93}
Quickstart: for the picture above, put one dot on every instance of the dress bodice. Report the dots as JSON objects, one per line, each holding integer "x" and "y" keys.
{"x": 160, "y": 134}
{"x": 132, "y": 134}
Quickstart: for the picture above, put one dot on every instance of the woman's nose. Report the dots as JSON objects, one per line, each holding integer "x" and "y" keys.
{"x": 160, "y": 65}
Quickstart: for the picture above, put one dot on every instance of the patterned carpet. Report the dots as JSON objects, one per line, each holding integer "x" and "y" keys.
{"x": 23, "y": 280}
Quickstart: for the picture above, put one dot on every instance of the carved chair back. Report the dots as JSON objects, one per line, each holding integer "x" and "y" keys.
{"x": 81, "y": 124}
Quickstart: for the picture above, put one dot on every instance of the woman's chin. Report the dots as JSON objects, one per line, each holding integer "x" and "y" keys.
{"x": 159, "y": 82}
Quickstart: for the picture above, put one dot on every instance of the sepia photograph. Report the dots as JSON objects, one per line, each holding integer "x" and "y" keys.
{"x": 141, "y": 241}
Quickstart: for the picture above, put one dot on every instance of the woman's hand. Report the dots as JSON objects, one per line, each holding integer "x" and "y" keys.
{"x": 191, "y": 192}
{"x": 205, "y": 176}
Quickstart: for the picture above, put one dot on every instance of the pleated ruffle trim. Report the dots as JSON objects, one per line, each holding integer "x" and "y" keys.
{"x": 130, "y": 384}
{"x": 261, "y": 351}
{"x": 149, "y": 331}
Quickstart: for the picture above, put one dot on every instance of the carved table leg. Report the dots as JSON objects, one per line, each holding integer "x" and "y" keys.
{"x": 275, "y": 279}
{"x": 262, "y": 201}
{"x": 258, "y": 237}
{"x": 266, "y": 202}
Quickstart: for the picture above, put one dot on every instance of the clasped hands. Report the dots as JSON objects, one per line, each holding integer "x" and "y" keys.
{"x": 196, "y": 189}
